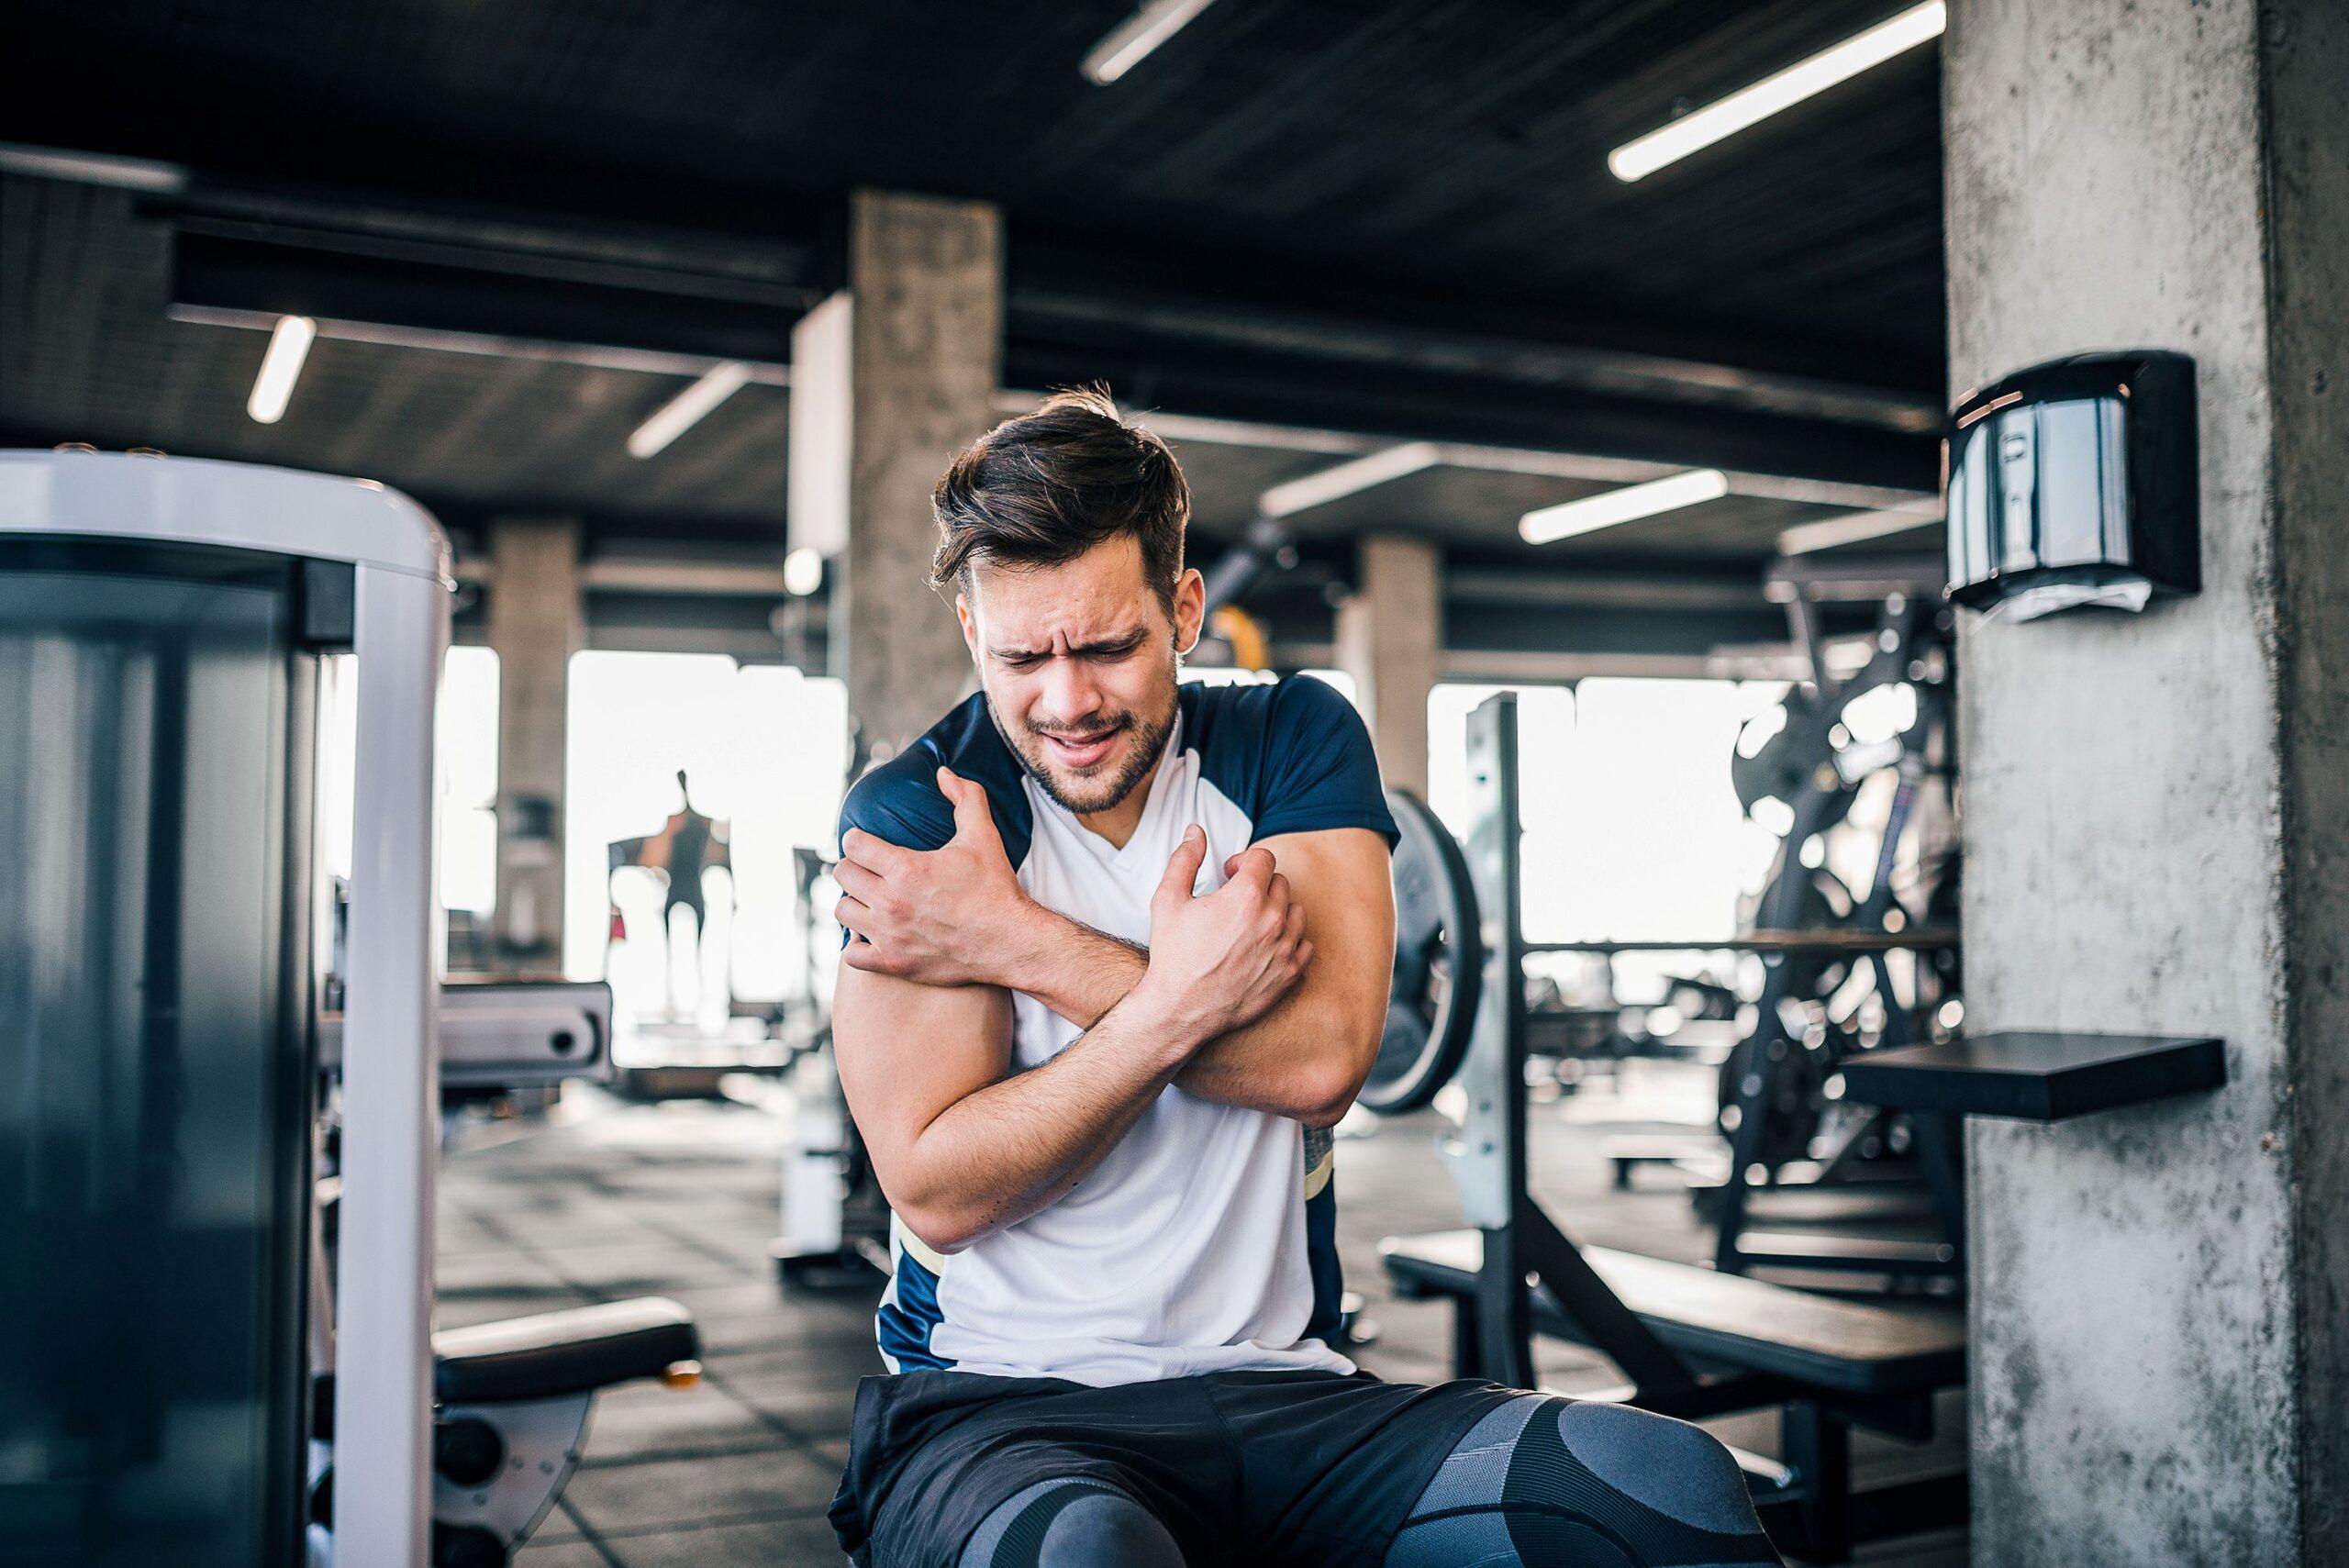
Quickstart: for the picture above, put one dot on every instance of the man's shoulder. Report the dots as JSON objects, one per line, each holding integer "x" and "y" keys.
{"x": 899, "y": 800}
{"x": 1245, "y": 727}
{"x": 1295, "y": 755}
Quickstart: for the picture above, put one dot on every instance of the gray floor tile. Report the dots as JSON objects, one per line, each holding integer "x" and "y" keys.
{"x": 777, "y": 1543}
{"x": 819, "y": 1411}
{"x": 568, "y": 1553}
{"x": 671, "y": 1424}
{"x": 630, "y": 1499}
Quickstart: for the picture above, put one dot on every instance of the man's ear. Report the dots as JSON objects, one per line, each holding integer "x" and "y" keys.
{"x": 964, "y": 613}
{"x": 1190, "y": 609}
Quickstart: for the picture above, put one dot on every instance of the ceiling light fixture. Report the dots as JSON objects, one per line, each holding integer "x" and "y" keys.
{"x": 1749, "y": 106}
{"x": 289, "y": 344}
{"x": 1336, "y": 482}
{"x": 1128, "y": 43}
{"x": 1627, "y": 505}
{"x": 688, "y": 408}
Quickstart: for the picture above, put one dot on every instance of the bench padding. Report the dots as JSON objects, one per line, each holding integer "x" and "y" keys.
{"x": 1849, "y": 1347}
{"x": 556, "y": 1353}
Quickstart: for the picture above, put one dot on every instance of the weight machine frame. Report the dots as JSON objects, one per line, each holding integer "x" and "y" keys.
{"x": 1807, "y": 1496}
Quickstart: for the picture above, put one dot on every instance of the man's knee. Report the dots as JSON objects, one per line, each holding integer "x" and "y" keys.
{"x": 1547, "y": 1483}
{"x": 1071, "y": 1523}
{"x": 1678, "y": 1470}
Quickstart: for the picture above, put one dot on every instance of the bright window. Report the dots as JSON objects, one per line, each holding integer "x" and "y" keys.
{"x": 765, "y": 751}
{"x": 1631, "y": 828}
{"x": 467, "y": 730}
{"x": 465, "y": 743}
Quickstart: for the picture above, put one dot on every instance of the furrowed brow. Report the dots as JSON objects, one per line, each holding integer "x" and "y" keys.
{"x": 1100, "y": 648}
{"x": 1109, "y": 647}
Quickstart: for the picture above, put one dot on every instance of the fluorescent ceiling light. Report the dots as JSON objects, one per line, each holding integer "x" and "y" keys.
{"x": 1334, "y": 483}
{"x": 1921, "y": 24}
{"x": 1806, "y": 539}
{"x": 686, "y": 410}
{"x": 1128, "y": 43}
{"x": 1627, "y": 505}
{"x": 91, "y": 168}
{"x": 803, "y": 572}
{"x": 289, "y": 344}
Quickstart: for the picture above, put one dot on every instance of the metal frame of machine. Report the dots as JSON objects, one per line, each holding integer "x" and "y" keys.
{"x": 400, "y": 609}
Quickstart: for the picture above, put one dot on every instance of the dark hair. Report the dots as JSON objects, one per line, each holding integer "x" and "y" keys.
{"x": 1048, "y": 486}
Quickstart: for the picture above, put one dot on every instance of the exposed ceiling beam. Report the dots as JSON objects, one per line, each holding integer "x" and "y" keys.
{"x": 1530, "y": 352}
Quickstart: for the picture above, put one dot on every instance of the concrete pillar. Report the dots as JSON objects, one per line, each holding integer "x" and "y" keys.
{"x": 537, "y": 621}
{"x": 1390, "y": 639}
{"x": 2155, "y": 806}
{"x": 890, "y": 378}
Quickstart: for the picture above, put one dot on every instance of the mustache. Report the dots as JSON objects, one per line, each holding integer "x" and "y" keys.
{"x": 1123, "y": 722}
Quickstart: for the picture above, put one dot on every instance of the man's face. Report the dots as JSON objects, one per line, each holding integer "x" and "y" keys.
{"x": 1078, "y": 662}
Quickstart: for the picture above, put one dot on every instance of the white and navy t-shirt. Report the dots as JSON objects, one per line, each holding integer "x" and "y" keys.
{"x": 1206, "y": 1240}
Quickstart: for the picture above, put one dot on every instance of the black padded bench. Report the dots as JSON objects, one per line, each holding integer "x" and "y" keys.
{"x": 574, "y": 1351}
{"x": 1818, "y": 1341}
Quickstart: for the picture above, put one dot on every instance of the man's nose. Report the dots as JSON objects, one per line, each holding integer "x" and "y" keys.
{"x": 1071, "y": 696}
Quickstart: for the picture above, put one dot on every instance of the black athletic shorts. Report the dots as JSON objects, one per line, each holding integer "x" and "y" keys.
{"x": 1241, "y": 1467}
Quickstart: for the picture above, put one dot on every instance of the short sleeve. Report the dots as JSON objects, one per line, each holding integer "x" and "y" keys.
{"x": 1320, "y": 771}
{"x": 900, "y": 802}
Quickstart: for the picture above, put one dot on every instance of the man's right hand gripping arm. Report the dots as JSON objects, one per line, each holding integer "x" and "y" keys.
{"x": 964, "y": 1146}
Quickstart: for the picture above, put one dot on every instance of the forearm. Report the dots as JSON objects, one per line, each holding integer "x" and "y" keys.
{"x": 1081, "y": 973}
{"x": 1290, "y": 1063}
{"x": 1019, "y": 1145}
{"x": 1077, "y": 972}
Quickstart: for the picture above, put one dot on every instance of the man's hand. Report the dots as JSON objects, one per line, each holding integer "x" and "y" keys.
{"x": 1219, "y": 963}
{"x": 942, "y": 917}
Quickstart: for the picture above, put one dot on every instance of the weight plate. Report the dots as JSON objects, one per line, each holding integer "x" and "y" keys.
{"x": 1438, "y": 963}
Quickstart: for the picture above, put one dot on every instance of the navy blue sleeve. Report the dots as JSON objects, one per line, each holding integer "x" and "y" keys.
{"x": 900, "y": 801}
{"x": 1319, "y": 769}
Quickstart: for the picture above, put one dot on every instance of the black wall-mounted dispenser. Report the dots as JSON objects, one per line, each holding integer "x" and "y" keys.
{"x": 2075, "y": 483}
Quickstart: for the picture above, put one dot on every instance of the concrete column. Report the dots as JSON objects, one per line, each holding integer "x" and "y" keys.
{"x": 2155, "y": 806}
{"x": 1390, "y": 639}
{"x": 537, "y": 621}
{"x": 890, "y": 378}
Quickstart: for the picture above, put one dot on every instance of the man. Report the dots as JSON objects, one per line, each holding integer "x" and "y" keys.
{"x": 1119, "y": 957}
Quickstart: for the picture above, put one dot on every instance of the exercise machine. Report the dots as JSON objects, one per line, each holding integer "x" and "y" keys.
{"x": 1694, "y": 1341}
{"x": 174, "y": 1381}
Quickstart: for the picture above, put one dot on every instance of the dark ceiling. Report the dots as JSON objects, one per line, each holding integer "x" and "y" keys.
{"x": 1394, "y": 147}
{"x": 1389, "y": 219}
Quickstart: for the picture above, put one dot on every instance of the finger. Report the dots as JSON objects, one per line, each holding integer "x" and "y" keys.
{"x": 1278, "y": 894}
{"x": 1182, "y": 865}
{"x": 1231, "y": 864}
{"x": 1304, "y": 956}
{"x": 881, "y": 855}
{"x": 970, "y": 803}
{"x": 863, "y": 956}
{"x": 855, "y": 880}
{"x": 854, "y": 912}
{"x": 1293, "y": 929}
{"x": 1255, "y": 868}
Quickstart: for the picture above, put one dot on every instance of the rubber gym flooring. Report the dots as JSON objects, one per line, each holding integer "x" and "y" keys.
{"x": 604, "y": 1199}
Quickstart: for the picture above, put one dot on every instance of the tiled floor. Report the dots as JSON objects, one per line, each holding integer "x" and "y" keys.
{"x": 605, "y": 1200}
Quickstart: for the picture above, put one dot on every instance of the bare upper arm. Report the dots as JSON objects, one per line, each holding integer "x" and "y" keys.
{"x": 905, "y": 1052}
{"x": 1343, "y": 878}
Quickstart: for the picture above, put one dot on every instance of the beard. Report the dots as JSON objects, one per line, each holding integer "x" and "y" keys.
{"x": 1106, "y": 784}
